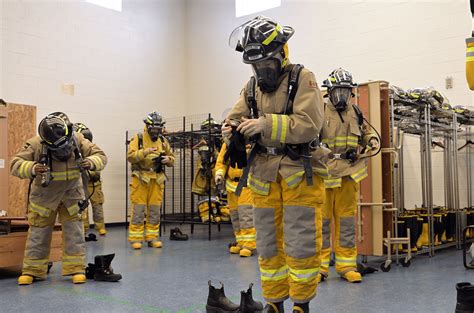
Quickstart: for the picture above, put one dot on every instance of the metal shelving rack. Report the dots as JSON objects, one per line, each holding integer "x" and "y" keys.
{"x": 179, "y": 205}
{"x": 426, "y": 122}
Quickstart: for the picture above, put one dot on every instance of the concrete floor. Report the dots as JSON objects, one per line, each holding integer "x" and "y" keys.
{"x": 174, "y": 279}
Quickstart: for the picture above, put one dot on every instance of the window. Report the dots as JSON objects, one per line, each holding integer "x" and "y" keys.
{"x": 109, "y": 4}
{"x": 246, "y": 7}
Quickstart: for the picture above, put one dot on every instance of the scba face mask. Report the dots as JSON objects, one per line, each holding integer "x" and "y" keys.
{"x": 154, "y": 132}
{"x": 267, "y": 73}
{"x": 340, "y": 98}
{"x": 63, "y": 153}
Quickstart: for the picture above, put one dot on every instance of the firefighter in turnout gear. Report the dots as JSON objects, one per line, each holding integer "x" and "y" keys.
{"x": 54, "y": 161}
{"x": 95, "y": 190}
{"x": 280, "y": 110}
{"x": 241, "y": 210}
{"x": 148, "y": 153}
{"x": 347, "y": 136}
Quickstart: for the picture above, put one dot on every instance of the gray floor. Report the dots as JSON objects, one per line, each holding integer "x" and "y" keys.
{"x": 174, "y": 279}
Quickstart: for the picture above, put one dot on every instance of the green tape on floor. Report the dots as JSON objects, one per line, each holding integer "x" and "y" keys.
{"x": 148, "y": 308}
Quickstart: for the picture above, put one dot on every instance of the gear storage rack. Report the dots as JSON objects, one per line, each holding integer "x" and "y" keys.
{"x": 426, "y": 122}
{"x": 179, "y": 204}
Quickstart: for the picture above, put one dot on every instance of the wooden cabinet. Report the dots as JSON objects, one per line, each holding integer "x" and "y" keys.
{"x": 17, "y": 124}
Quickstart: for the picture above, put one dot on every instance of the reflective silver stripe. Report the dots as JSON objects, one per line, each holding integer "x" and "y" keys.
{"x": 470, "y": 54}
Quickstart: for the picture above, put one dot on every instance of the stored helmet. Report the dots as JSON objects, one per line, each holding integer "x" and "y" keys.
{"x": 339, "y": 78}
{"x": 84, "y": 130}
{"x": 259, "y": 39}
{"x": 154, "y": 119}
{"x": 56, "y": 130}
{"x": 210, "y": 123}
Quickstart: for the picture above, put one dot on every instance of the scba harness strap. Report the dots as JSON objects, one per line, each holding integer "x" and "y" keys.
{"x": 295, "y": 152}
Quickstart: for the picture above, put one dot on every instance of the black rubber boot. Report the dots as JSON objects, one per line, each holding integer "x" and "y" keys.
{"x": 248, "y": 304}
{"x": 301, "y": 307}
{"x": 465, "y": 298}
{"x": 90, "y": 271}
{"x": 103, "y": 270}
{"x": 90, "y": 237}
{"x": 274, "y": 308}
{"x": 176, "y": 234}
{"x": 217, "y": 302}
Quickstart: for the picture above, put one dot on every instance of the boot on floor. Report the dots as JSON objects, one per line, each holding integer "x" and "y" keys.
{"x": 217, "y": 302}
{"x": 301, "y": 307}
{"x": 465, "y": 298}
{"x": 274, "y": 308}
{"x": 248, "y": 304}
{"x": 102, "y": 269}
{"x": 177, "y": 234}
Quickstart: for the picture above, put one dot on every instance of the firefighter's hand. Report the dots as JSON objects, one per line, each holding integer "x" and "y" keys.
{"x": 86, "y": 164}
{"x": 226, "y": 130}
{"x": 40, "y": 169}
{"x": 251, "y": 127}
{"x": 374, "y": 144}
{"x": 147, "y": 151}
{"x": 219, "y": 180}
{"x": 166, "y": 160}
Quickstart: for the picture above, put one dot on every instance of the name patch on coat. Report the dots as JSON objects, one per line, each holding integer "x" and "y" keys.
{"x": 313, "y": 84}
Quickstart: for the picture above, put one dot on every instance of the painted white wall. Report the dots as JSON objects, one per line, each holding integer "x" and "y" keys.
{"x": 408, "y": 43}
{"x": 122, "y": 64}
{"x": 172, "y": 56}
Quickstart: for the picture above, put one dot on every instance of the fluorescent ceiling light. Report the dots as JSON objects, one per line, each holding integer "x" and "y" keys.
{"x": 109, "y": 4}
{"x": 246, "y": 7}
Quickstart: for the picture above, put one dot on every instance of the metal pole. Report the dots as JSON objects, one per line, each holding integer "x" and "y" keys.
{"x": 192, "y": 177}
{"x": 209, "y": 174}
{"x": 429, "y": 186}
{"x": 183, "y": 153}
{"x": 126, "y": 179}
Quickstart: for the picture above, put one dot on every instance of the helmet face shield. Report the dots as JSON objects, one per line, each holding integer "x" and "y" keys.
{"x": 259, "y": 39}
{"x": 55, "y": 132}
{"x": 340, "y": 97}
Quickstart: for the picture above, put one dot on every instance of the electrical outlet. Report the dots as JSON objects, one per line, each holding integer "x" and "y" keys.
{"x": 68, "y": 89}
{"x": 449, "y": 82}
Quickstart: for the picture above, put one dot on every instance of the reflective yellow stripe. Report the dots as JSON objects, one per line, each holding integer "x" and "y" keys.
{"x": 28, "y": 168}
{"x": 136, "y": 233}
{"x": 333, "y": 183}
{"x": 359, "y": 175}
{"x": 322, "y": 172}
{"x": 305, "y": 275}
{"x": 40, "y": 209}
{"x": 97, "y": 161}
{"x": 36, "y": 261}
{"x": 230, "y": 186}
{"x": 469, "y": 59}
{"x": 346, "y": 260}
{"x": 245, "y": 237}
{"x": 21, "y": 171}
{"x": 68, "y": 175}
{"x": 272, "y": 275}
{"x": 258, "y": 187}
{"x": 284, "y": 128}
{"x": 274, "y": 126}
{"x": 272, "y": 36}
{"x": 294, "y": 179}
{"x": 470, "y": 49}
